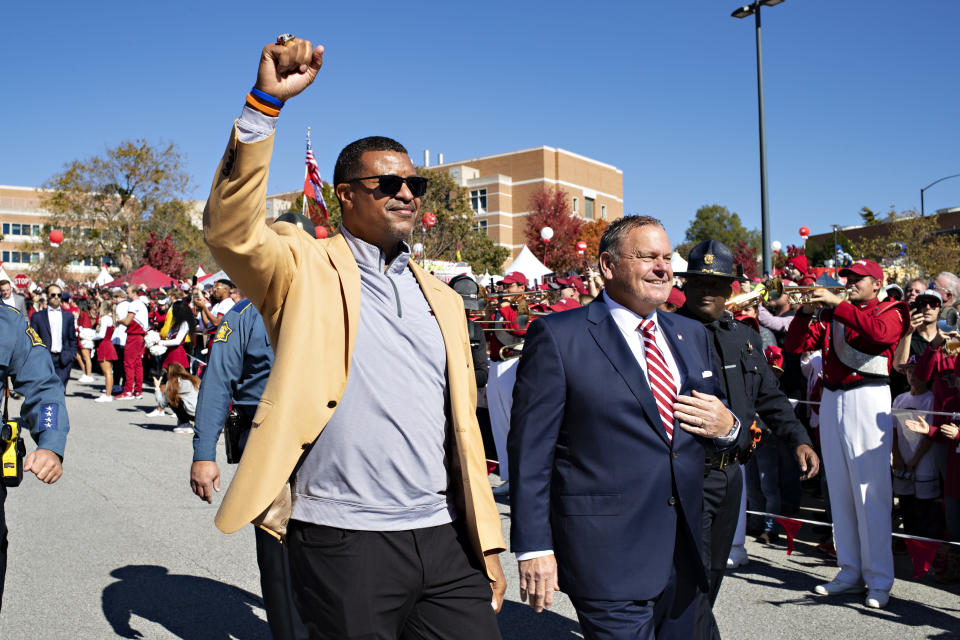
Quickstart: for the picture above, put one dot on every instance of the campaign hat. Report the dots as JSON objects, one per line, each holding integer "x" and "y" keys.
{"x": 712, "y": 258}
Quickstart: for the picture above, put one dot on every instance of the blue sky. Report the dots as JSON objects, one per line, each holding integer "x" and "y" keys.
{"x": 862, "y": 97}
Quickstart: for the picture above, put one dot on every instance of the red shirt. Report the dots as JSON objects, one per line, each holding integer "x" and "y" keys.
{"x": 871, "y": 328}
{"x": 937, "y": 367}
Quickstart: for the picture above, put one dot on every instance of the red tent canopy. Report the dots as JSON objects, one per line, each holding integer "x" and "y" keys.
{"x": 147, "y": 275}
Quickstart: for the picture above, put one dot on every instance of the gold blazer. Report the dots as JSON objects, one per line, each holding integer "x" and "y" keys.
{"x": 308, "y": 292}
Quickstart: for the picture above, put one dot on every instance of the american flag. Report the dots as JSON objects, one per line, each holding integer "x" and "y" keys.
{"x": 312, "y": 184}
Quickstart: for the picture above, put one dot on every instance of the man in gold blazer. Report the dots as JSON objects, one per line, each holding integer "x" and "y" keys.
{"x": 365, "y": 455}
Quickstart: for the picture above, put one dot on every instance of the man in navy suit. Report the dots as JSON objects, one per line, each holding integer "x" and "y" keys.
{"x": 57, "y": 330}
{"x": 613, "y": 405}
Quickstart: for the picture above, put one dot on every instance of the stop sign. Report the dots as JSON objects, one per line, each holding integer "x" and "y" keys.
{"x": 21, "y": 281}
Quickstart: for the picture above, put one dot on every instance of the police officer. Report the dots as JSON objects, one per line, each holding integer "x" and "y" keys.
{"x": 469, "y": 290}
{"x": 25, "y": 359}
{"x": 752, "y": 390}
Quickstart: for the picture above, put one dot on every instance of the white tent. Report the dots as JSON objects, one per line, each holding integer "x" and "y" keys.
{"x": 4, "y": 275}
{"x": 200, "y": 272}
{"x": 485, "y": 279}
{"x": 677, "y": 263}
{"x": 527, "y": 264}
{"x": 211, "y": 280}
{"x": 103, "y": 277}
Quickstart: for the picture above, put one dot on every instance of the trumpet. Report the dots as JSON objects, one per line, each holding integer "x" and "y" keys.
{"x": 802, "y": 295}
{"x": 771, "y": 288}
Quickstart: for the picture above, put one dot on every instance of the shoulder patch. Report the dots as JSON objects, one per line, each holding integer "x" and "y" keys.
{"x": 49, "y": 417}
{"x": 9, "y": 308}
{"x": 34, "y": 337}
{"x": 242, "y": 306}
{"x": 223, "y": 332}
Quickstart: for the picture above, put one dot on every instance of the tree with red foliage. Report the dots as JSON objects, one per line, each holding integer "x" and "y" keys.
{"x": 745, "y": 256}
{"x": 551, "y": 208}
{"x": 591, "y": 234}
{"x": 162, "y": 254}
{"x": 780, "y": 258}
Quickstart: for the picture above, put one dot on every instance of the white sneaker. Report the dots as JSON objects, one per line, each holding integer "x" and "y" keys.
{"x": 157, "y": 413}
{"x": 104, "y": 398}
{"x": 738, "y": 557}
{"x": 877, "y": 599}
{"x": 836, "y": 587}
{"x": 85, "y": 378}
{"x": 183, "y": 429}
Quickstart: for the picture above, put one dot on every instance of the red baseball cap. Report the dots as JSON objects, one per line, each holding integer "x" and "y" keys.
{"x": 676, "y": 297}
{"x": 564, "y": 304}
{"x": 864, "y": 268}
{"x": 515, "y": 277}
{"x": 573, "y": 282}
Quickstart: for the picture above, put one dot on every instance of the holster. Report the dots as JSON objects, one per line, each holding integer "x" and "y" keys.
{"x": 13, "y": 452}
{"x": 233, "y": 429}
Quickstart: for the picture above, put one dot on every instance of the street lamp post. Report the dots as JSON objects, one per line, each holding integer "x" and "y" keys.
{"x": 744, "y": 12}
{"x": 956, "y": 175}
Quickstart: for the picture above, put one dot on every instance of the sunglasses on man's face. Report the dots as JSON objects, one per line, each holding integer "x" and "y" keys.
{"x": 391, "y": 185}
{"x": 53, "y": 295}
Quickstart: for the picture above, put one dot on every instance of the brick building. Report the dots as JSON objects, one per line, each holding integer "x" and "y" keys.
{"x": 500, "y": 187}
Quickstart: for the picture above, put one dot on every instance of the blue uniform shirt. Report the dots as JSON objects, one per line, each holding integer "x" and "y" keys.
{"x": 25, "y": 358}
{"x": 237, "y": 371}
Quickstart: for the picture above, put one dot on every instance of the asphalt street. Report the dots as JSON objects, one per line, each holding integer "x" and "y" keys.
{"x": 120, "y": 547}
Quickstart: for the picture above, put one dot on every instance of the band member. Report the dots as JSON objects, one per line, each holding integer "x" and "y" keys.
{"x": 857, "y": 338}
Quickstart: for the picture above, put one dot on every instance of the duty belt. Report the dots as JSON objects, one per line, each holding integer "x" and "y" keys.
{"x": 717, "y": 461}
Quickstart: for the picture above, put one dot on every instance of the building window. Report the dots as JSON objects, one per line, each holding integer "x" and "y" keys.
{"x": 588, "y": 208}
{"x": 14, "y": 256}
{"x": 6, "y": 256}
{"x": 6, "y": 228}
{"x": 480, "y": 226}
{"x": 603, "y": 211}
{"x": 15, "y": 229}
{"x": 478, "y": 201}
{"x": 34, "y": 258}
{"x": 576, "y": 205}
{"x": 36, "y": 230}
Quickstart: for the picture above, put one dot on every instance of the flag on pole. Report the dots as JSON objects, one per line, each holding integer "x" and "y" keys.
{"x": 312, "y": 184}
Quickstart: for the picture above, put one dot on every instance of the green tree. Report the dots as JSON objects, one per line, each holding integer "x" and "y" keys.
{"x": 176, "y": 220}
{"x": 101, "y": 204}
{"x": 911, "y": 239}
{"x": 455, "y": 226}
{"x": 716, "y": 222}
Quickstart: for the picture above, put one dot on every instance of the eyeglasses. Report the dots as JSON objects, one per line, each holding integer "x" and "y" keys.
{"x": 391, "y": 185}
{"x": 53, "y": 295}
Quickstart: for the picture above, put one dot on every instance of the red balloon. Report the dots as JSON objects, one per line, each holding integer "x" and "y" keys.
{"x": 56, "y": 236}
{"x": 804, "y": 232}
{"x": 322, "y": 232}
{"x": 428, "y": 220}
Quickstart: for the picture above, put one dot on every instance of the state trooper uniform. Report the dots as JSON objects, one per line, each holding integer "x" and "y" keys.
{"x": 752, "y": 389}
{"x": 237, "y": 371}
{"x": 25, "y": 359}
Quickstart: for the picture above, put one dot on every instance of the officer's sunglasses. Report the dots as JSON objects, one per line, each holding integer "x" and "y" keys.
{"x": 391, "y": 185}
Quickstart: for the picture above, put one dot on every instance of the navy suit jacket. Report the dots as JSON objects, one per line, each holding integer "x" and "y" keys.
{"x": 68, "y": 335}
{"x": 593, "y": 475}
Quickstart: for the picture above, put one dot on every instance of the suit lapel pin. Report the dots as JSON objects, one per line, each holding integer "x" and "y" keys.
{"x": 679, "y": 337}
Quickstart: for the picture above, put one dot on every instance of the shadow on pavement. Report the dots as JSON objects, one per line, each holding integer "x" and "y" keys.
{"x": 518, "y": 621}
{"x": 801, "y": 583}
{"x": 189, "y": 607}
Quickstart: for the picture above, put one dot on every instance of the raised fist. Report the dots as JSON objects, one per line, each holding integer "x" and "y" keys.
{"x": 287, "y": 69}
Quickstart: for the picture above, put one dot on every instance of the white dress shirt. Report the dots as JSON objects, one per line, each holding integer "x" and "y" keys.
{"x": 55, "y": 316}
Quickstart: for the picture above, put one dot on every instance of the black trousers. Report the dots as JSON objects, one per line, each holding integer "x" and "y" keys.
{"x": 389, "y": 585}
{"x": 721, "y": 508}
{"x": 282, "y": 616}
{"x": 3, "y": 540}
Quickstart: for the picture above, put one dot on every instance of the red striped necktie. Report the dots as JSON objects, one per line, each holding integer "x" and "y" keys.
{"x": 658, "y": 376}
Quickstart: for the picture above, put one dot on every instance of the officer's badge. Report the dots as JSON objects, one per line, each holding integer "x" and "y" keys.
{"x": 223, "y": 332}
{"x": 34, "y": 337}
{"x": 708, "y": 258}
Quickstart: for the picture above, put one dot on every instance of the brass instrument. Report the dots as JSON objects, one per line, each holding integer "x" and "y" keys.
{"x": 802, "y": 295}
{"x": 771, "y": 288}
{"x": 511, "y": 351}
